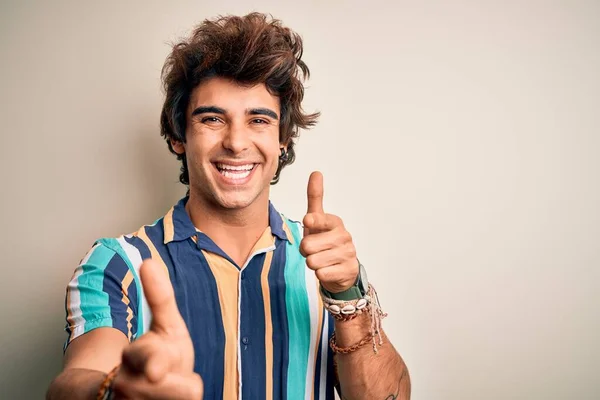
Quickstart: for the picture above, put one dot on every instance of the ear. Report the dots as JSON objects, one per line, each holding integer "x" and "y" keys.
{"x": 177, "y": 146}
{"x": 283, "y": 146}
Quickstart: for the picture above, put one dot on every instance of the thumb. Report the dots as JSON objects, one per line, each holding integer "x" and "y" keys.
{"x": 314, "y": 193}
{"x": 161, "y": 298}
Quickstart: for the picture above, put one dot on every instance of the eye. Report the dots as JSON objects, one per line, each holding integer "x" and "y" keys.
{"x": 260, "y": 121}
{"x": 210, "y": 120}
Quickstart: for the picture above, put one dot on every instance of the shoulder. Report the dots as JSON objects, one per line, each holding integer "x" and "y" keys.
{"x": 130, "y": 248}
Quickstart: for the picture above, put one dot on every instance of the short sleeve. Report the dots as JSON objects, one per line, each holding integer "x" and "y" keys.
{"x": 101, "y": 293}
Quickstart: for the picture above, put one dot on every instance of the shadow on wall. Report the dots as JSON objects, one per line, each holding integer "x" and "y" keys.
{"x": 150, "y": 186}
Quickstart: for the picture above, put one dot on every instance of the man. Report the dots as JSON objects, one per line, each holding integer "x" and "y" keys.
{"x": 225, "y": 304}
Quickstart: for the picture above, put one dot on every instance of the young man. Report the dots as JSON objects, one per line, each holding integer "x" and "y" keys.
{"x": 223, "y": 297}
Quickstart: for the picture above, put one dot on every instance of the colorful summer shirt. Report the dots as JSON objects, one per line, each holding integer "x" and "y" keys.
{"x": 259, "y": 330}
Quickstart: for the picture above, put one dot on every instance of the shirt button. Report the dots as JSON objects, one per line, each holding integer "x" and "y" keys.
{"x": 245, "y": 340}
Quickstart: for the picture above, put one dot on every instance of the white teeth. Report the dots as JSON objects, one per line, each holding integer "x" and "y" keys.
{"x": 235, "y": 175}
{"x": 235, "y": 171}
{"x": 228, "y": 167}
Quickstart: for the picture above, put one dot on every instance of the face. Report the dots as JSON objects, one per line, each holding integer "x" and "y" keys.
{"x": 232, "y": 143}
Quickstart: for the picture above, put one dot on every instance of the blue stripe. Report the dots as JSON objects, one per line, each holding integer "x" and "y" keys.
{"x": 156, "y": 235}
{"x": 140, "y": 245}
{"x": 113, "y": 276}
{"x": 252, "y": 330}
{"x": 115, "y": 246}
{"x": 198, "y": 302}
{"x": 279, "y": 317}
{"x": 206, "y": 243}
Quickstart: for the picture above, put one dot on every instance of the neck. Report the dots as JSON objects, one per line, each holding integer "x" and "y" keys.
{"x": 235, "y": 231}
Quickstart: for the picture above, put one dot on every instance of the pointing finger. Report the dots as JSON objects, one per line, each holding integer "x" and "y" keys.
{"x": 161, "y": 298}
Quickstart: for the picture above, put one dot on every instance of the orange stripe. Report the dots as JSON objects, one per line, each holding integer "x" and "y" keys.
{"x": 265, "y": 241}
{"x": 153, "y": 252}
{"x": 168, "y": 226}
{"x": 264, "y": 280}
{"x": 226, "y": 277}
{"x": 127, "y": 279}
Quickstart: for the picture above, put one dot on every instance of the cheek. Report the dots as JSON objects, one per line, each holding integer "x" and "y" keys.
{"x": 201, "y": 147}
{"x": 270, "y": 147}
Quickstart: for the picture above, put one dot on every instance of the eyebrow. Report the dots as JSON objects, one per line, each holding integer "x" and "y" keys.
{"x": 263, "y": 111}
{"x": 208, "y": 109}
{"x": 218, "y": 110}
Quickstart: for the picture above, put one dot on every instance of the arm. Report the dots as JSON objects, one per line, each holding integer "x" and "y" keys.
{"x": 330, "y": 252}
{"x": 364, "y": 374}
{"x": 97, "y": 302}
{"x": 158, "y": 365}
{"x": 87, "y": 361}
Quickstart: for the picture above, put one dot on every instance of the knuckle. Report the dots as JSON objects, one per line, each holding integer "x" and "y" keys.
{"x": 311, "y": 261}
{"x": 350, "y": 251}
{"x": 305, "y": 247}
{"x": 308, "y": 220}
{"x": 342, "y": 237}
{"x": 348, "y": 236}
{"x": 322, "y": 275}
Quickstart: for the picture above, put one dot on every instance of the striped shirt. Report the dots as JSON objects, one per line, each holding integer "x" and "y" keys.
{"x": 259, "y": 330}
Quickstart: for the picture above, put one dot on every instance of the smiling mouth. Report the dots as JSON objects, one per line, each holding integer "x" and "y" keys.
{"x": 235, "y": 171}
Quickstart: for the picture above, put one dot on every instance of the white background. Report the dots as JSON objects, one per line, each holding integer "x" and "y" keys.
{"x": 459, "y": 142}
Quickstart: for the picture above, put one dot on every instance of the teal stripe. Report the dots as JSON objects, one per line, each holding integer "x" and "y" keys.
{"x": 298, "y": 313}
{"x": 94, "y": 301}
{"x": 117, "y": 248}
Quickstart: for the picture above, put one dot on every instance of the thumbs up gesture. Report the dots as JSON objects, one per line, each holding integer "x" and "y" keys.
{"x": 327, "y": 245}
{"x": 160, "y": 364}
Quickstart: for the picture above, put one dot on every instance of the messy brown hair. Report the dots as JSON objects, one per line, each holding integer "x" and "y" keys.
{"x": 250, "y": 50}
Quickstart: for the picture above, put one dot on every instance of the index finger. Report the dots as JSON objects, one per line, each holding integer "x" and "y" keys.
{"x": 161, "y": 298}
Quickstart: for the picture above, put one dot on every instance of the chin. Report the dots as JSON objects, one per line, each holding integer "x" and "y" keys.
{"x": 235, "y": 200}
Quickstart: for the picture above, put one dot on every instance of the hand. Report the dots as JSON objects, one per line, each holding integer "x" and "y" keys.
{"x": 327, "y": 245}
{"x": 160, "y": 364}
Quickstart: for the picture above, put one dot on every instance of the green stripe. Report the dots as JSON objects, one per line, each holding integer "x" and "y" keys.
{"x": 94, "y": 301}
{"x": 117, "y": 248}
{"x": 298, "y": 313}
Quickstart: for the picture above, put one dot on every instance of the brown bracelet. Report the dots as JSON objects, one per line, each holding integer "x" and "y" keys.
{"x": 346, "y": 350}
{"x": 106, "y": 387}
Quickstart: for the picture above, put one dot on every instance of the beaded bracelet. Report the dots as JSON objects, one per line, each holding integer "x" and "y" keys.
{"x": 105, "y": 392}
{"x": 343, "y": 309}
{"x": 347, "y": 310}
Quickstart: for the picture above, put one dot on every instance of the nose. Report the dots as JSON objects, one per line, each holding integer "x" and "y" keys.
{"x": 237, "y": 138}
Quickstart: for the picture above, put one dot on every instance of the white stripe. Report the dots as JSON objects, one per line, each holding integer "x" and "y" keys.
{"x": 313, "y": 306}
{"x": 74, "y": 305}
{"x": 324, "y": 354}
{"x": 134, "y": 256}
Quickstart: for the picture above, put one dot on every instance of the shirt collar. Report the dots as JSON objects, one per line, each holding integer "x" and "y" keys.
{"x": 178, "y": 225}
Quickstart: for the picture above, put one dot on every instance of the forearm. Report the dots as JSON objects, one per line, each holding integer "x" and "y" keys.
{"x": 364, "y": 374}
{"x": 75, "y": 384}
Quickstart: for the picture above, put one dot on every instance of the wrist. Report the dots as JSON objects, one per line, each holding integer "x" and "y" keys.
{"x": 357, "y": 291}
{"x": 105, "y": 392}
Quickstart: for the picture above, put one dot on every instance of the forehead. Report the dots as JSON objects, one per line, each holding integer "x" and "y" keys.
{"x": 232, "y": 96}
